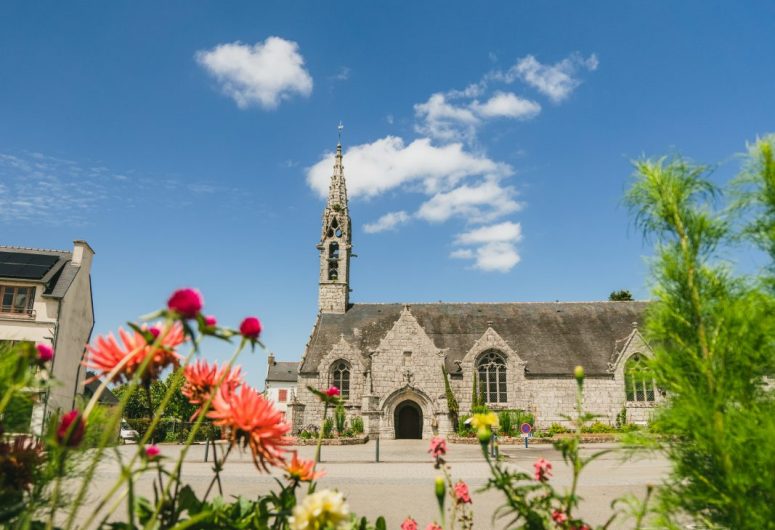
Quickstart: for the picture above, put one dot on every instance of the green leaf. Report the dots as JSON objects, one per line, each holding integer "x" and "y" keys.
{"x": 187, "y": 500}
{"x": 381, "y": 525}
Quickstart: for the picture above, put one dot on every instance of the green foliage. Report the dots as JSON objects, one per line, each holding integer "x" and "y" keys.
{"x": 480, "y": 409}
{"x": 623, "y": 295}
{"x": 452, "y": 404}
{"x": 356, "y": 423}
{"x": 474, "y": 393}
{"x": 504, "y": 419}
{"x": 598, "y": 427}
{"x": 621, "y": 418}
{"x": 328, "y": 428}
{"x": 711, "y": 329}
{"x": 556, "y": 428}
{"x": 178, "y": 407}
{"x": 98, "y": 423}
{"x": 340, "y": 418}
{"x": 462, "y": 428}
{"x": 174, "y": 430}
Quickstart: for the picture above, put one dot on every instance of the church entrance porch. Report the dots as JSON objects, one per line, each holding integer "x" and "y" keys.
{"x": 408, "y": 420}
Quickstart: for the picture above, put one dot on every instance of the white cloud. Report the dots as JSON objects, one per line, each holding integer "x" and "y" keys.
{"x": 480, "y": 203}
{"x": 555, "y": 81}
{"x": 495, "y": 246}
{"x": 462, "y": 253}
{"x": 262, "y": 74}
{"x": 388, "y": 163}
{"x": 500, "y": 257}
{"x": 442, "y": 120}
{"x": 387, "y": 222}
{"x": 499, "y": 233}
{"x": 38, "y": 189}
{"x": 507, "y": 105}
{"x": 343, "y": 74}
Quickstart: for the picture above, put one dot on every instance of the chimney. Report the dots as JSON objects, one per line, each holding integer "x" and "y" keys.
{"x": 80, "y": 249}
{"x": 270, "y": 359}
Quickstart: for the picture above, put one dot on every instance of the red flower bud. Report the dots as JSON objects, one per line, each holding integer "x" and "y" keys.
{"x": 45, "y": 352}
{"x": 332, "y": 392}
{"x": 152, "y": 451}
{"x": 71, "y": 428}
{"x": 210, "y": 321}
{"x": 250, "y": 328}
{"x": 186, "y": 302}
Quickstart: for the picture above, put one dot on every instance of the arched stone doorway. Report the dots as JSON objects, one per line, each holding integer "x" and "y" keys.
{"x": 408, "y": 420}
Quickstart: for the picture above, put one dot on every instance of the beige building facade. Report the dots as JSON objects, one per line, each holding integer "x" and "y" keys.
{"x": 46, "y": 297}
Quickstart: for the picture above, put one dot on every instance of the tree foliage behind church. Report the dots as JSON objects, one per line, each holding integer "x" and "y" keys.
{"x": 713, "y": 330}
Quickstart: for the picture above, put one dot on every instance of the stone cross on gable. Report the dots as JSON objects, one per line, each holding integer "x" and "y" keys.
{"x": 408, "y": 376}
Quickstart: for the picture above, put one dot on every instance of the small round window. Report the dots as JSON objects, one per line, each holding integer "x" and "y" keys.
{"x": 338, "y": 232}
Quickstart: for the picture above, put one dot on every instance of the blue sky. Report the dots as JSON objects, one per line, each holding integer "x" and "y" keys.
{"x": 487, "y": 145}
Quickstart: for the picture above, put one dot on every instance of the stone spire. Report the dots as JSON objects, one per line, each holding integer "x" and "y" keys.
{"x": 337, "y": 189}
{"x": 335, "y": 244}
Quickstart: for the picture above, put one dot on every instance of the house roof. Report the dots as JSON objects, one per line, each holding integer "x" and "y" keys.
{"x": 552, "y": 337}
{"x": 282, "y": 371}
{"x": 53, "y": 268}
{"x": 89, "y": 389}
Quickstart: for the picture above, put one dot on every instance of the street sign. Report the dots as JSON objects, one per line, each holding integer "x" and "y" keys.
{"x": 525, "y": 428}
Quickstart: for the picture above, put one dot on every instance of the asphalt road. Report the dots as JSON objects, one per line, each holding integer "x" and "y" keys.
{"x": 402, "y": 483}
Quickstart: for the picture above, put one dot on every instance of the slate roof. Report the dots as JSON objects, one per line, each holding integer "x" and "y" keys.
{"x": 552, "y": 337}
{"x": 283, "y": 372}
{"x": 21, "y": 264}
{"x": 89, "y": 389}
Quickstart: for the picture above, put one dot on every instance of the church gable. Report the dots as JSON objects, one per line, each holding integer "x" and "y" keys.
{"x": 406, "y": 356}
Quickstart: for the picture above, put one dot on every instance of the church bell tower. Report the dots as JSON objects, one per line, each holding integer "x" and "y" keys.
{"x": 335, "y": 243}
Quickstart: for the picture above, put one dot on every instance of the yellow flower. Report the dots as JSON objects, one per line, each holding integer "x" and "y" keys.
{"x": 324, "y": 509}
{"x": 485, "y": 420}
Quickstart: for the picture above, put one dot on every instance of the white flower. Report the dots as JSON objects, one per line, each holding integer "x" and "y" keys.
{"x": 324, "y": 509}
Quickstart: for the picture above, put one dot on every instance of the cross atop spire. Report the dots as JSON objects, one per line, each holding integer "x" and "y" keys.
{"x": 340, "y": 128}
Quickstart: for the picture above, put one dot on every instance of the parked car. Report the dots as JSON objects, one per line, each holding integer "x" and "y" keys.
{"x": 127, "y": 433}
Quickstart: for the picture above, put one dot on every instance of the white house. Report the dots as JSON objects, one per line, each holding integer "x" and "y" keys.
{"x": 46, "y": 296}
{"x": 280, "y": 382}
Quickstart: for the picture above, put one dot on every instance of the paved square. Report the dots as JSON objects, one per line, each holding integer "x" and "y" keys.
{"x": 402, "y": 483}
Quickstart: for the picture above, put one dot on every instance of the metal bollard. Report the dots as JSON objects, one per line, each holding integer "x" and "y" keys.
{"x": 377, "y": 438}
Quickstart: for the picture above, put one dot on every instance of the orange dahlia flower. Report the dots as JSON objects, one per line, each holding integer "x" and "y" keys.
{"x": 302, "y": 470}
{"x": 252, "y": 422}
{"x": 202, "y": 378}
{"x": 107, "y": 353}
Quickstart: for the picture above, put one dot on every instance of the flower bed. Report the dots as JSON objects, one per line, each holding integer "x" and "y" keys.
{"x": 350, "y": 440}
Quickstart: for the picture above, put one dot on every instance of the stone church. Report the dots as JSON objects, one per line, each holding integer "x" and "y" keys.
{"x": 390, "y": 359}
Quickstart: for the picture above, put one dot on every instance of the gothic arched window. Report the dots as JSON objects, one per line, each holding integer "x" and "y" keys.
{"x": 638, "y": 381}
{"x": 333, "y": 250}
{"x": 340, "y": 377}
{"x": 491, "y": 369}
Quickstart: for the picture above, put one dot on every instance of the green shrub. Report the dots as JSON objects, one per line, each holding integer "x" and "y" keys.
{"x": 328, "y": 428}
{"x": 340, "y": 417}
{"x": 621, "y": 418}
{"x": 505, "y": 420}
{"x": 598, "y": 427}
{"x": 356, "y": 423}
{"x": 556, "y": 428}
{"x": 98, "y": 420}
{"x": 480, "y": 409}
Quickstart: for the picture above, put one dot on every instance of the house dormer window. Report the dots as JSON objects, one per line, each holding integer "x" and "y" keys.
{"x": 16, "y": 300}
